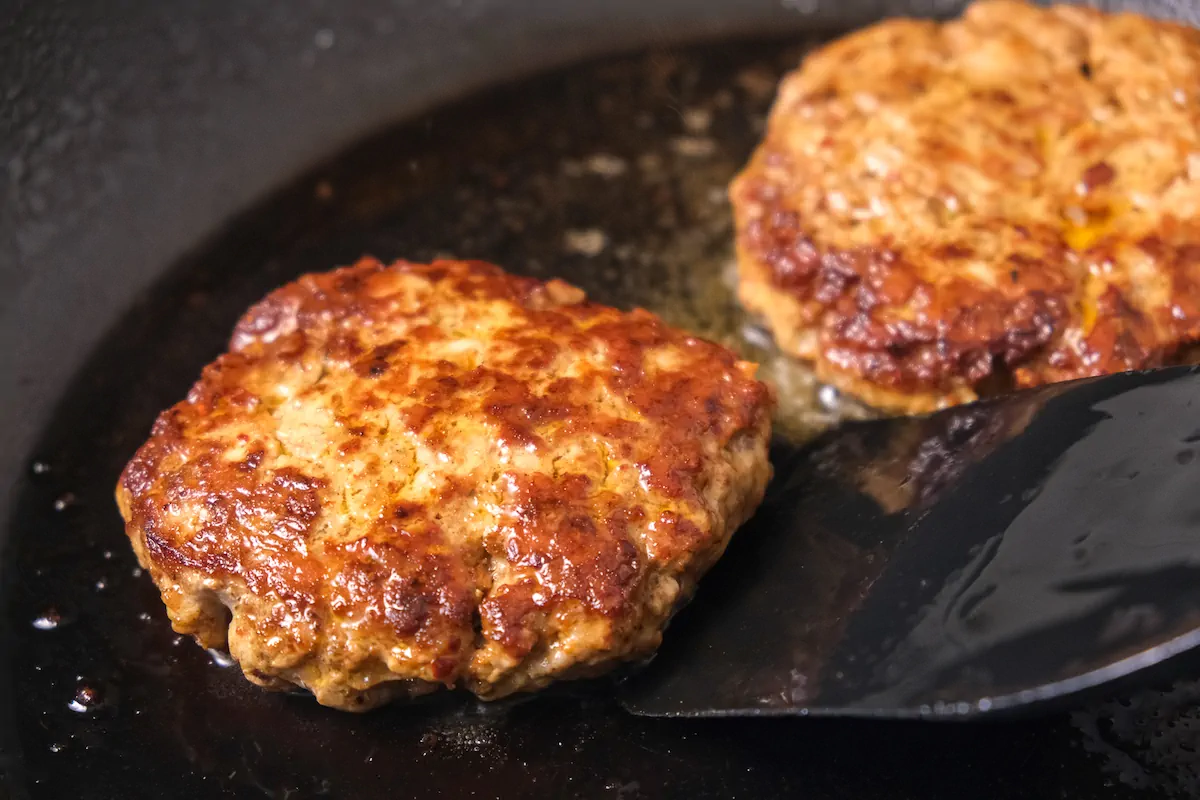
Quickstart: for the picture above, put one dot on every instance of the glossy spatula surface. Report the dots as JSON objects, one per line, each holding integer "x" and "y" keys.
{"x": 985, "y": 557}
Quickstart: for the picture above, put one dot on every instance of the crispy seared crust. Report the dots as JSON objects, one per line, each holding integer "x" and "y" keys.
{"x": 408, "y": 476}
{"x": 1007, "y": 198}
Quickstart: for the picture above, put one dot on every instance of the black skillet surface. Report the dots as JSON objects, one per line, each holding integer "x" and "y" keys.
{"x": 611, "y": 176}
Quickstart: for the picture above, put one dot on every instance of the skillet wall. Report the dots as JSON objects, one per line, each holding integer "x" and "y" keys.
{"x": 131, "y": 130}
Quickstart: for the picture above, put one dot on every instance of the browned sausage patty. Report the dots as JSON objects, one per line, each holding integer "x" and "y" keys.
{"x": 1008, "y": 198}
{"x": 401, "y": 477}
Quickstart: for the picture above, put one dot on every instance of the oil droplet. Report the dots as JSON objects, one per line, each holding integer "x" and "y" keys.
{"x": 144, "y": 616}
{"x": 221, "y": 658}
{"x": 57, "y": 748}
{"x": 324, "y": 38}
{"x": 757, "y": 336}
{"x": 87, "y": 698}
{"x": 829, "y": 398}
{"x": 101, "y": 585}
{"x": 40, "y": 468}
{"x": 48, "y": 620}
{"x": 64, "y": 502}
{"x": 136, "y": 572}
{"x": 589, "y": 242}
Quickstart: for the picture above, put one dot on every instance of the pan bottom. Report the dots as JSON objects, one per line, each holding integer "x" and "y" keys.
{"x": 611, "y": 176}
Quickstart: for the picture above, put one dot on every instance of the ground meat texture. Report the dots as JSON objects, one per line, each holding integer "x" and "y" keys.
{"x": 939, "y": 210}
{"x": 411, "y": 476}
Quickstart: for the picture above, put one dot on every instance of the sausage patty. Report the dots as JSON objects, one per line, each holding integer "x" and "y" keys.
{"x": 411, "y": 476}
{"x": 1007, "y": 199}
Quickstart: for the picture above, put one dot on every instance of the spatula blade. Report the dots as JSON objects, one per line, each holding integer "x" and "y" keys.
{"x": 985, "y": 557}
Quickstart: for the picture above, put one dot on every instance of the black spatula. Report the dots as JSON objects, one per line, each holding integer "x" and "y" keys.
{"x": 985, "y": 557}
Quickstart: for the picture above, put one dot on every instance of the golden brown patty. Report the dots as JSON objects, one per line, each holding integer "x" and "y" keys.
{"x": 417, "y": 475}
{"x": 1012, "y": 197}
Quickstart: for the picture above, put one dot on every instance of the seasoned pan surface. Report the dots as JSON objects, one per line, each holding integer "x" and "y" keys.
{"x": 611, "y": 176}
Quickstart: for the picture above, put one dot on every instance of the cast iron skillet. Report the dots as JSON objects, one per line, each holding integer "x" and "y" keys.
{"x": 132, "y": 138}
